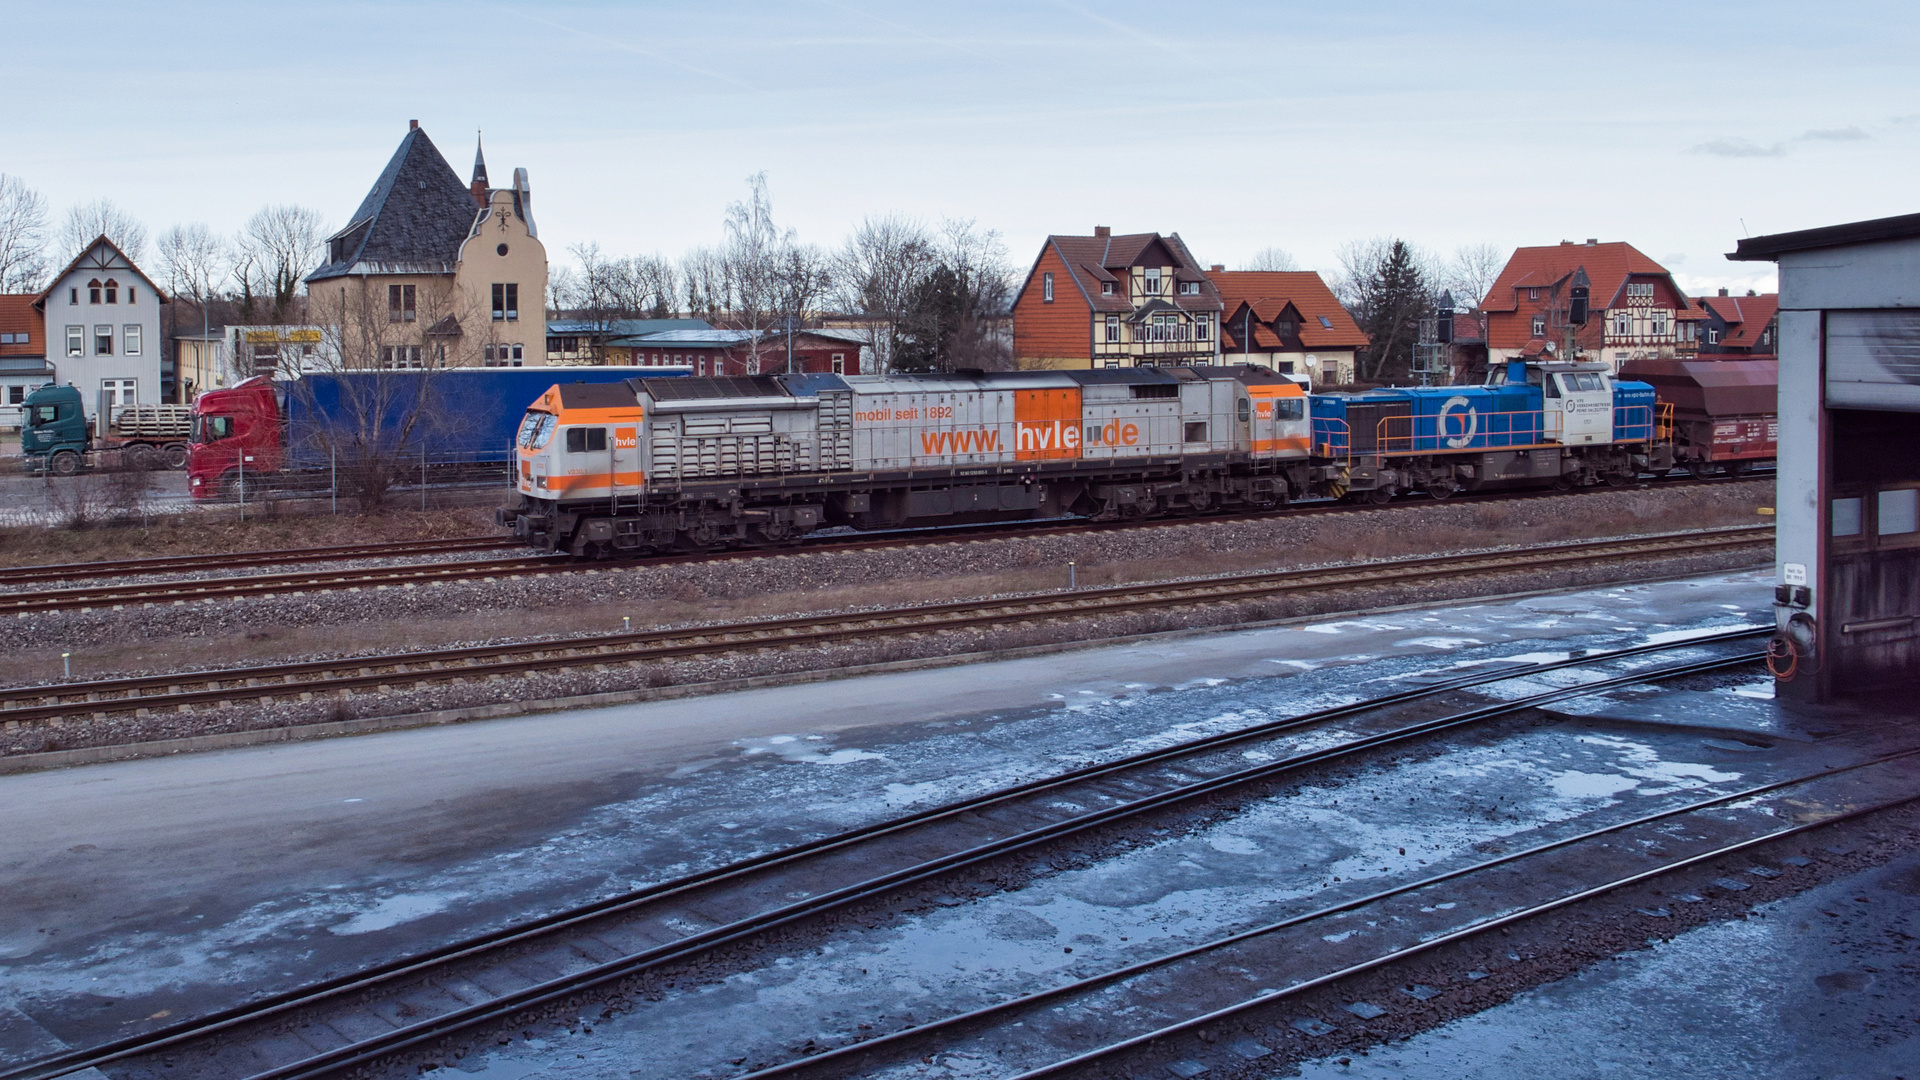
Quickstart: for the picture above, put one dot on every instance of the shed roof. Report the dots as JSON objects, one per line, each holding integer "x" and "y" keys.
{"x": 1763, "y": 248}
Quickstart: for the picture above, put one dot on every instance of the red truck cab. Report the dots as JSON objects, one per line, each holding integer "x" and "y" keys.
{"x": 236, "y": 432}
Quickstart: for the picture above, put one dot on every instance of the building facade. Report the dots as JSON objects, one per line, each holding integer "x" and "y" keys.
{"x": 1738, "y": 327}
{"x": 1289, "y": 321}
{"x": 1633, "y": 308}
{"x": 433, "y": 272}
{"x": 23, "y": 355}
{"x": 1106, "y": 301}
{"x": 100, "y": 320}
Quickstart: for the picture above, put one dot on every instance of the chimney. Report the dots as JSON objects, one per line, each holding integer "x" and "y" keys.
{"x": 413, "y": 125}
{"x": 1566, "y": 243}
{"x": 1103, "y": 230}
{"x": 1723, "y": 292}
{"x": 1217, "y": 268}
{"x": 1591, "y": 241}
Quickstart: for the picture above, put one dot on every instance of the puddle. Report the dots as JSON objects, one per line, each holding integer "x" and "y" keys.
{"x": 395, "y": 910}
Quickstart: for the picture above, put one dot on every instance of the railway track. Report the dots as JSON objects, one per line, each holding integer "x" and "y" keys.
{"x": 317, "y": 580}
{"x": 359, "y": 1021}
{"x": 304, "y": 680}
{"x": 21, "y": 575}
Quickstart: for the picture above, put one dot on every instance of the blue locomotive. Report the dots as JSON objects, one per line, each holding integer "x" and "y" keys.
{"x": 1561, "y": 423}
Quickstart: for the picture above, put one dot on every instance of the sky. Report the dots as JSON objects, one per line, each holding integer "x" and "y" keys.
{"x": 1679, "y": 127}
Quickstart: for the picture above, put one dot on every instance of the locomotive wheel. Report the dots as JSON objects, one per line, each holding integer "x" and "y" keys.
{"x": 1620, "y": 479}
{"x": 1441, "y": 489}
{"x": 1380, "y": 496}
{"x": 1563, "y": 482}
{"x": 700, "y": 535}
{"x": 1737, "y": 469}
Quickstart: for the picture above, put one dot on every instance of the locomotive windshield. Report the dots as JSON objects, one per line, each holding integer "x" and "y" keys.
{"x": 536, "y": 430}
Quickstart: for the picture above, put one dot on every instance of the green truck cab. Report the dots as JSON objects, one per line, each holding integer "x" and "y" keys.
{"x": 56, "y": 437}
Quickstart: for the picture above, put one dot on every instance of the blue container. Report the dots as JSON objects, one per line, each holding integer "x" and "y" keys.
{"x": 461, "y": 415}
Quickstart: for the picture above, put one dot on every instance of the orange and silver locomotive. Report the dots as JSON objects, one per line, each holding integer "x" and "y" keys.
{"x": 691, "y": 463}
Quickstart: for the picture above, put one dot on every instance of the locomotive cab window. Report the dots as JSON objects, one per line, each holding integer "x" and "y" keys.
{"x": 1242, "y": 410}
{"x": 1293, "y": 408}
{"x": 536, "y": 430}
{"x": 586, "y": 440}
{"x": 1553, "y": 386}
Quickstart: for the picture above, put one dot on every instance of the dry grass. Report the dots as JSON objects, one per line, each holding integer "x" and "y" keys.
{"x": 218, "y": 532}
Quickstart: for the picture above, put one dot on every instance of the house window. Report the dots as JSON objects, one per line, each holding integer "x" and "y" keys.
{"x": 93, "y": 291}
{"x": 1641, "y": 289}
{"x": 16, "y": 394}
{"x": 1202, "y": 326}
{"x": 1713, "y": 336}
{"x": 73, "y": 296}
{"x": 1539, "y": 326}
{"x": 1189, "y": 288}
{"x": 400, "y": 307}
{"x": 132, "y": 335}
{"x": 1106, "y": 288}
{"x": 113, "y": 291}
{"x": 129, "y": 294}
{"x": 76, "y": 341}
{"x": 1533, "y": 294}
{"x": 400, "y": 356}
{"x": 1152, "y": 287}
{"x": 103, "y": 341}
{"x": 1046, "y": 287}
{"x": 839, "y": 363}
{"x": 519, "y": 353}
{"x": 1659, "y": 323}
{"x": 1623, "y": 324}
{"x": 506, "y": 302}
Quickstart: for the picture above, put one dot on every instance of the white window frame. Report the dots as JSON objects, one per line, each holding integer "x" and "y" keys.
{"x": 118, "y": 394}
{"x": 1046, "y": 287}
{"x": 1113, "y": 329}
{"x": 103, "y": 336}
{"x": 130, "y": 339}
{"x": 76, "y": 341}
{"x": 1150, "y": 278}
{"x": 839, "y": 363}
{"x": 1202, "y": 326}
{"x": 1539, "y": 326}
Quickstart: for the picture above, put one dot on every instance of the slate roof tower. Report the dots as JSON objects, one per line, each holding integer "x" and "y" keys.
{"x": 412, "y": 222}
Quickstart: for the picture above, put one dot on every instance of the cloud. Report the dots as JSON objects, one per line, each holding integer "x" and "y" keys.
{"x": 1846, "y": 134}
{"x": 1739, "y": 148}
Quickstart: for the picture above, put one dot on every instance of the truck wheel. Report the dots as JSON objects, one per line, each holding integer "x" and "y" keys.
{"x": 142, "y": 457}
{"x": 232, "y": 487}
{"x": 64, "y": 463}
{"x": 175, "y": 455}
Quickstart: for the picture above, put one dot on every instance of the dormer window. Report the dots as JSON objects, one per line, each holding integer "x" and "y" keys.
{"x": 113, "y": 291}
{"x": 1189, "y": 288}
{"x": 1285, "y": 327}
{"x": 1533, "y": 294}
{"x": 1152, "y": 287}
{"x": 93, "y": 291}
{"x": 1106, "y": 288}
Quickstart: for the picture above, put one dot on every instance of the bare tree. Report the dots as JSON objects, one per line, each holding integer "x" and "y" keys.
{"x": 755, "y": 257}
{"x": 102, "y": 217}
{"x": 1271, "y": 258}
{"x": 562, "y": 285}
{"x": 373, "y": 392}
{"x": 1470, "y": 274}
{"x": 194, "y": 259}
{"x": 23, "y": 236}
{"x": 958, "y": 311}
{"x": 279, "y": 245}
{"x": 703, "y": 274}
{"x": 877, "y": 275}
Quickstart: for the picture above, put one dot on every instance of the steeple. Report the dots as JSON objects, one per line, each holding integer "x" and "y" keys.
{"x": 479, "y": 185}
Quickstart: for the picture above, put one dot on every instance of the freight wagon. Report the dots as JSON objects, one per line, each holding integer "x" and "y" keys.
{"x": 692, "y": 463}
{"x": 291, "y": 435}
{"x": 1724, "y": 411}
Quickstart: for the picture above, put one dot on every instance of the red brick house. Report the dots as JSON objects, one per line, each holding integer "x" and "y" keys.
{"x": 1115, "y": 301}
{"x": 1635, "y": 311}
{"x": 1289, "y": 321}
